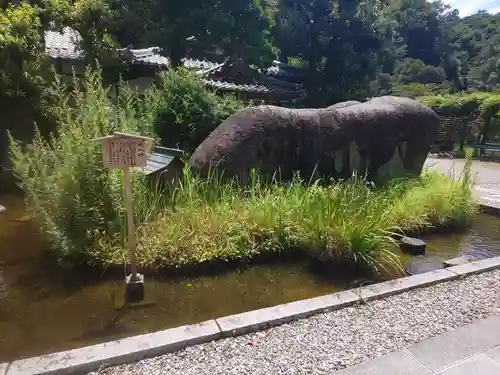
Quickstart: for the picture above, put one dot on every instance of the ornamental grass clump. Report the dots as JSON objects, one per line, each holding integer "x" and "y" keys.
{"x": 349, "y": 221}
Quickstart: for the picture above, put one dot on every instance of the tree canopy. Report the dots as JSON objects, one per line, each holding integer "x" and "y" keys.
{"x": 350, "y": 49}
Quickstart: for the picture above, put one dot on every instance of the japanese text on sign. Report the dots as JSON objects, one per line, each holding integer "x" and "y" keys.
{"x": 122, "y": 153}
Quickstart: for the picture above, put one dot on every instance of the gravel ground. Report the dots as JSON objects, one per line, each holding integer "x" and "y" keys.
{"x": 332, "y": 341}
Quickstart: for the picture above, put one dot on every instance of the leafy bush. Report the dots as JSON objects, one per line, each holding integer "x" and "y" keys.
{"x": 74, "y": 198}
{"x": 187, "y": 110}
{"x": 414, "y": 90}
{"x": 414, "y": 70}
{"x": 24, "y": 64}
{"x": 22, "y": 52}
{"x": 484, "y": 104}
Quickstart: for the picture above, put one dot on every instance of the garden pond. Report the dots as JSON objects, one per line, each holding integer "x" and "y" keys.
{"x": 44, "y": 308}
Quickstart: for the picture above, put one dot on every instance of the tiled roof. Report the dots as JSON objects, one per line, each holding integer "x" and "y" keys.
{"x": 255, "y": 88}
{"x": 199, "y": 64}
{"x": 280, "y": 69}
{"x": 151, "y": 56}
{"x": 146, "y": 56}
{"x": 222, "y": 85}
{"x": 63, "y": 45}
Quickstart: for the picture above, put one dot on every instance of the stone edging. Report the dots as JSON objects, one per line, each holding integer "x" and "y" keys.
{"x": 135, "y": 348}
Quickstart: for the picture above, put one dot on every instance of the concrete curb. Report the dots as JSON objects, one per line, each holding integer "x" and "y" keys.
{"x": 131, "y": 349}
{"x": 404, "y": 284}
{"x": 3, "y": 368}
{"x": 258, "y": 320}
{"x": 135, "y": 348}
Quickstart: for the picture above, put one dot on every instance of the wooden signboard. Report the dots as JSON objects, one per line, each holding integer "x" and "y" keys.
{"x": 122, "y": 150}
{"x": 125, "y": 151}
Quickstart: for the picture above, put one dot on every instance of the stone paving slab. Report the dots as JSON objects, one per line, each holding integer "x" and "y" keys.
{"x": 454, "y": 346}
{"x": 494, "y": 353}
{"x": 389, "y": 288}
{"x": 396, "y": 363}
{"x": 256, "y": 320}
{"x": 476, "y": 267}
{"x": 116, "y": 352}
{"x": 3, "y": 368}
{"x": 477, "y": 365}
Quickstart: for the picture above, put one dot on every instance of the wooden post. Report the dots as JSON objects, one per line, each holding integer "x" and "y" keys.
{"x": 130, "y": 225}
{"x": 126, "y": 151}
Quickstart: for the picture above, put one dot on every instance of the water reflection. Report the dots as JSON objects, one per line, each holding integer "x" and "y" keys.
{"x": 57, "y": 310}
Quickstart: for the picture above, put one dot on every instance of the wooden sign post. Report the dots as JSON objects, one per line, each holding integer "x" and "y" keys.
{"x": 125, "y": 151}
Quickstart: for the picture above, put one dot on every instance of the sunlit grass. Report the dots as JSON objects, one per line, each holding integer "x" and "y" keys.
{"x": 350, "y": 221}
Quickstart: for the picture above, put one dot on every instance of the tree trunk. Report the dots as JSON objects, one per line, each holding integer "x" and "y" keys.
{"x": 284, "y": 56}
{"x": 463, "y": 135}
{"x": 177, "y": 52}
{"x": 484, "y": 134}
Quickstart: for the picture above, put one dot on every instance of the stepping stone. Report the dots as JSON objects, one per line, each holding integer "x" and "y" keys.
{"x": 420, "y": 264}
{"x": 456, "y": 261}
{"x": 412, "y": 246}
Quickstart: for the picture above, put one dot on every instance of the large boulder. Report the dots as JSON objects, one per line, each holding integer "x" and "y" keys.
{"x": 386, "y": 136}
{"x": 344, "y": 104}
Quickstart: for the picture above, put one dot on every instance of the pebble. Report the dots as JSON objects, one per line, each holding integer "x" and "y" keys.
{"x": 2, "y": 209}
{"x": 335, "y": 340}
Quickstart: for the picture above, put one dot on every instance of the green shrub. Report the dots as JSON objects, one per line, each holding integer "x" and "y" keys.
{"x": 22, "y": 56}
{"x": 415, "y": 71}
{"x": 187, "y": 110}
{"x": 414, "y": 90}
{"x": 75, "y": 200}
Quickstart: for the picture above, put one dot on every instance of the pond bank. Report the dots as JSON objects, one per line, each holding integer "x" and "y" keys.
{"x": 169, "y": 341}
{"x": 211, "y": 221}
{"x": 66, "y": 310}
{"x": 335, "y": 340}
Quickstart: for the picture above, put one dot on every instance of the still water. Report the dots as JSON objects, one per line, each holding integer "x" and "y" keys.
{"x": 45, "y": 309}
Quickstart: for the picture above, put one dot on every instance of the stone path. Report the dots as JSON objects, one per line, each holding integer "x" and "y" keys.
{"x": 486, "y": 176}
{"x": 469, "y": 350}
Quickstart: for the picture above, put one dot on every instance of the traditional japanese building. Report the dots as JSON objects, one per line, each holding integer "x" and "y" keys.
{"x": 279, "y": 84}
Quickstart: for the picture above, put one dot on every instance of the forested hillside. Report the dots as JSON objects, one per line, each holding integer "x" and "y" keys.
{"x": 351, "y": 48}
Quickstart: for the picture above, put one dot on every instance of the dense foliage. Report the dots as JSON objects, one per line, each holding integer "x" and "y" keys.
{"x": 351, "y": 49}
{"x": 75, "y": 198}
{"x": 469, "y": 106}
{"x": 186, "y": 111}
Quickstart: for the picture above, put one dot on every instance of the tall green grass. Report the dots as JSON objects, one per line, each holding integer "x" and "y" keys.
{"x": 350, "y": 222}
{"x": 74, "y": 198}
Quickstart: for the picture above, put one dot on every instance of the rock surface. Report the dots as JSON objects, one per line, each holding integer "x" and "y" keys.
{"x": 386, "y": 136}
{"x": 412, "y": 246}
{"x": 456, "y": 261}
{"x": 344, "y": 104}
{"x": 421, "y": 264}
